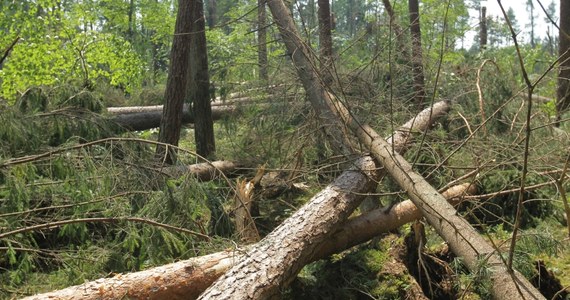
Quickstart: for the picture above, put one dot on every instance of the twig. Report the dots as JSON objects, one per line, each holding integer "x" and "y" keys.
{"x": 481, "y": 108}
{"x": 560, "y": 185}
{"x": 530, "y": 88}
{"x": 552, "y": 21}
{"x": 7, "y": 51}
{"x": 466, "y": 123}
{"x": 505, "y": 192}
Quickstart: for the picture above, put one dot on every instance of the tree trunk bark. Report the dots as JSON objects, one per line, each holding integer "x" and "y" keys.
{"x": 325, "y": 41}
{"x": 198, "y": 89}
{"x": 262, "y": 39}
{"x": 188, "y": 279}
{"x": 483, "y": 29}
{"x": 417, "y": 56}
{"x": 152, "y": 119}
{"x": 563, "y": 91}
{"x": 402, "y": 49}
{"x": 171, "y": 120}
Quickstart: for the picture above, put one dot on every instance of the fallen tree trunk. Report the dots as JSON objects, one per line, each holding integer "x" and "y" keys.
{"x": 362, "y": 228}
{"x": 151, "y": 119}
{"x": 121, "y": 110}
{"x": 177, "y": 281}
{"x": 188, "y": 279}
{"x": 202, "y": 171}
{"x": 278, "y": 257}
{"x": 463, "y": 239}
{"x": 154, "y": 108}
{"x": 125, "y": 284}
{"x": 275, "y": 261}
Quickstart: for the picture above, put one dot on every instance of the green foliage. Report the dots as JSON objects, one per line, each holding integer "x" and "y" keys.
{"x": 91, "y": 41}
{"x": 52, "y": 61}
{"x": 94, "y": 182}
{"x": 51, "y": 117}
{"x": 478, "y": 281}
{"x": 232, "y": 50}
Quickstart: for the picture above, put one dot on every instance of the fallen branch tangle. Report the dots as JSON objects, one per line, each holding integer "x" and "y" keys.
{"x": 263, "y": 269}
{"x": 462, "y": 238}
{"x": 187, "y": 279}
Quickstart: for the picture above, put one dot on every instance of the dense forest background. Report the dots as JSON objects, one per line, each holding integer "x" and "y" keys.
{"x": 137, "y": 133}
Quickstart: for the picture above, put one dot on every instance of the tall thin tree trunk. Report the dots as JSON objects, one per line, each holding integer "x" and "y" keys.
{"x": 402, "y": 49}
{"x": 325, "y": 41}
{"x": 417, "y": 56}
{"x": 262, "y": 40}
{"x": 483, "y": 29}
{"x": 212, "y": 13}
{"x": 563, "y": 91}
{"x": 131, "y": 16}
{"x": 199, "y": 83}
{"x": 350, "y": 16}
{"x": 311, "y": 13}
{"x": 176, "y": 83}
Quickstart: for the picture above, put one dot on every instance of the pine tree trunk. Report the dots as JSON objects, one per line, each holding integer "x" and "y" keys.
{"x": 203, "y": 171}
{"x": 563, "y": 91}
{"x": 276, "y": 260}
{"x": 483, "y": 29}
{"x": 199, "y": 83}
{"x": 462, "y": 238}
{"x": 262, "y": 40}
{"x": 145, "y": 120}
{"x": 175, "y": 93}
{"x": 417, "y": 56}
{"x": 325, "y": 41}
